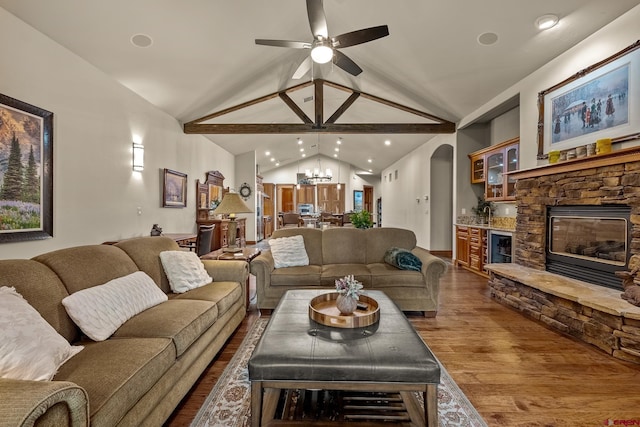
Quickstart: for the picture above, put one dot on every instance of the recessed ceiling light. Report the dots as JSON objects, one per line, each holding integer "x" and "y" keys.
{"x": 141, "y": 40}
{"x": 370, "y": 170}
{"x": 304, "y": 155}
{"x": 267, "y": 153}
{"x": 273, "y": 159}
{"x": 546, "y": 21}
{"x": 336, "y": 149}
{"x": 387, "y": 142}
{"x": 301, "y": 150}
{"x": 299, "y": 141}
{"x": 339, "y": 141}
{"x": 487, "y": 39}
{"x": 369, "y": 160}
{"x": 277, "y": 163}
{"x": 335, "y": 155}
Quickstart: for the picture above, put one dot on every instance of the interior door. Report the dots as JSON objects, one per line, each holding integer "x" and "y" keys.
{"x": 368, "y": 198}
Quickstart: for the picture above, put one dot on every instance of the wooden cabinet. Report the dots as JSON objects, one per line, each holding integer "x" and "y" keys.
{"x": 496, "y": 160}
{"x": 268, "y": 226}
{"x": 330, "y": 198}
{"x": 462, "y": 245}
{"x": 471, "y": 248}
{"x": 477, "y": 168}
{"x": 221, "y": 232}
{"x": 306, "y": 194}
{"x": 477, "y": 249}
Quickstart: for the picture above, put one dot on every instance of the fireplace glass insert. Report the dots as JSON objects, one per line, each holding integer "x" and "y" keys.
{"x": 588, "y": 243}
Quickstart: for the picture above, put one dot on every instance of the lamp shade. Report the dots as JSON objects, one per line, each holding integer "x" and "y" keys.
{"x": 232, "y": 204}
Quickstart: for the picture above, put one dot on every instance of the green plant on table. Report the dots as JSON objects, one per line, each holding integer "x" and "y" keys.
{"x": 361, "y": 219}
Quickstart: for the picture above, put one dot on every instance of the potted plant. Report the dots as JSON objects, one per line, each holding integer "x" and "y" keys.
{"x": 482, "y": 209}
{"x": 349, "y": 290}
{"x": 361, "y": 219}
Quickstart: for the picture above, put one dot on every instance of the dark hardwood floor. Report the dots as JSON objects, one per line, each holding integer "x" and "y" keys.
{"x": 514, "y": 371}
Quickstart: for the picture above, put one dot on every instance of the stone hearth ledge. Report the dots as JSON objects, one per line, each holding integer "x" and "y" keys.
{"x": 597, "y": 297}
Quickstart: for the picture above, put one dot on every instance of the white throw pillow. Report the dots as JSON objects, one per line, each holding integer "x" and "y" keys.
{"x": 184, "y": 270}
{"x": 30, "y": 348}
{"x": 289, "y": 251}
{"x": 100, "y": 310}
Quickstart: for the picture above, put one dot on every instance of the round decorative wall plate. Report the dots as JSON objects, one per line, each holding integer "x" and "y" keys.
{"x": 245, "y": 191}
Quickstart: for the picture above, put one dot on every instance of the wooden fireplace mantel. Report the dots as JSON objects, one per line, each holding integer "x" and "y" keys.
{"x": 616, "y": 157}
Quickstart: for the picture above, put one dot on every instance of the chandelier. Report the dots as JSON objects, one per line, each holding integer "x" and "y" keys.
{"x": 318, "y": 174}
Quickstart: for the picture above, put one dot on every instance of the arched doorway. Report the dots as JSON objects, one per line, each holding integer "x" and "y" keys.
{"x": 441, "y": 218}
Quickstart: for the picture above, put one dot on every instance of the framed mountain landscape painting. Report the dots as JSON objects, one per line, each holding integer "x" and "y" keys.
{"x": 26, "y": 171}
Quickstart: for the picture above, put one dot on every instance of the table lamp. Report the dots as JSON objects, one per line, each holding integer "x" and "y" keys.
{"x": 231, "y": 205}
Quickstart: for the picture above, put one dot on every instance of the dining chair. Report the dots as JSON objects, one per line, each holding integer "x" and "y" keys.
{"x": 202, "y": 245}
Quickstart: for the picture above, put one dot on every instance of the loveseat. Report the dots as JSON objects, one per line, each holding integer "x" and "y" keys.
{"x": 336, "y": 252}
{"x": 138, "y": 375}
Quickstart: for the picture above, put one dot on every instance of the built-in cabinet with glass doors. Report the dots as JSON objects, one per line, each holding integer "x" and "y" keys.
{"x": 491, "y": 166}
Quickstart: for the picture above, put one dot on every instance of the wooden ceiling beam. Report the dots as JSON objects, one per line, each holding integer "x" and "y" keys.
{"x": 345, "y": 105}
{"x": 317, "y": 124}
{"x": 328, "y": 128}
{"x": 297, "y": 110}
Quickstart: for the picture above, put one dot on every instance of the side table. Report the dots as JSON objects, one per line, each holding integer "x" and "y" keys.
{"x": 247, "y": 255}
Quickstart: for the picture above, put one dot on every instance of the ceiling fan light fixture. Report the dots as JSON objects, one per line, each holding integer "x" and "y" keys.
{"x": 321, "y": 53}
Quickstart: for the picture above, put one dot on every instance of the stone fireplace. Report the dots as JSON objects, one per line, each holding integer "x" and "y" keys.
{"x": 538, "y": 285}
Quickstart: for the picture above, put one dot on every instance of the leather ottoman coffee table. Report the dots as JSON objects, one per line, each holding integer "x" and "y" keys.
{"x": 296, "y": 352}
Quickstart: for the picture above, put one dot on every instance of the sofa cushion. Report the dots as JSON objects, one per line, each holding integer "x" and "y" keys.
{"x": 117, "y": 373}
{"x": 288, "y": 252}
{"x": 296, "y": 276}
{"x": 384, "y": 275}
{"x": 82, "y": 267}
{"x": 100, "y": 310}
{"x": 184, "y": 270}
{"x": 44, "y": 291}
{"x": 145, "y": 252}
{"x": 30, "y": 349}
{"x": 380, "y": 239}
{"x": 224, "y": 294}
{"x": 312, "y": 241}
{"x": 332, "y": 272}
{"x": 182, "y": 320}
{"x": 344, "y": 246}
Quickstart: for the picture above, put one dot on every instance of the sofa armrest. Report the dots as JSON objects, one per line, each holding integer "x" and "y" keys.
{"x": 227, "y": 270}
{"x": 262, "y": 266}
{"x": 432, "y": 266}
{"x": 45, "y": 403}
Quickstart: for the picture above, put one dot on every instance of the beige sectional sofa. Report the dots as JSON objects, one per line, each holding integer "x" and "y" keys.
{"x": 139, "y": 375}
{"x": 337, "y": 252}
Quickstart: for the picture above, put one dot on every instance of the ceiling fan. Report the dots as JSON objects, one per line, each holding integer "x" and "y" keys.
{"x": 325, "y": 48}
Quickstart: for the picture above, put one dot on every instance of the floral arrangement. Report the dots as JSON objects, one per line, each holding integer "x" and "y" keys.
{"x": 348, "y": 286}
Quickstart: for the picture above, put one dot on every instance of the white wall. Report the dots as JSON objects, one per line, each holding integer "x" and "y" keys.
{"x": 96, "y": 193}
{"x": 609, "y": 40}
{"x": 245, "y": 165}
{"x": 400, "y": 207}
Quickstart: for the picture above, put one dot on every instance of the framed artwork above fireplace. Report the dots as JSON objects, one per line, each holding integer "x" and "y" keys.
{"x": 595, "y": 103}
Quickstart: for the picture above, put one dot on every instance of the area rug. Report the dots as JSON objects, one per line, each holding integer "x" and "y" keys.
{"x": 228, "y": 404}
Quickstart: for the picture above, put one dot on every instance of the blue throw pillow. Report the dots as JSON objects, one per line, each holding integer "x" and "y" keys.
{"x": 402, "y": 259}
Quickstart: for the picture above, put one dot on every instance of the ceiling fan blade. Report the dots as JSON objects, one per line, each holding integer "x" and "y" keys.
{"x": 361, "y": 36}
{"x": 302, "y": 69}
{"x": 317, "y": 19}
{"x": 284, "y": 43}
{"x": 344, "y": 62}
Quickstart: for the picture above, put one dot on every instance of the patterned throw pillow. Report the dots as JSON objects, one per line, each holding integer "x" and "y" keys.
{"x": 289, "y": 251}
{"x": 30, "y": 348}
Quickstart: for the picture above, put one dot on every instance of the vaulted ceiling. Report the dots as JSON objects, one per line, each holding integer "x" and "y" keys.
{"x": 203, "y": 59}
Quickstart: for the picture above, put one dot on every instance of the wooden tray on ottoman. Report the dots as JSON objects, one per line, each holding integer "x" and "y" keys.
{"x": 323, "y": 310}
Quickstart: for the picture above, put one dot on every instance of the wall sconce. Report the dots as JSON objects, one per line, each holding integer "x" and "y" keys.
{"x": 138, "y": 157}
